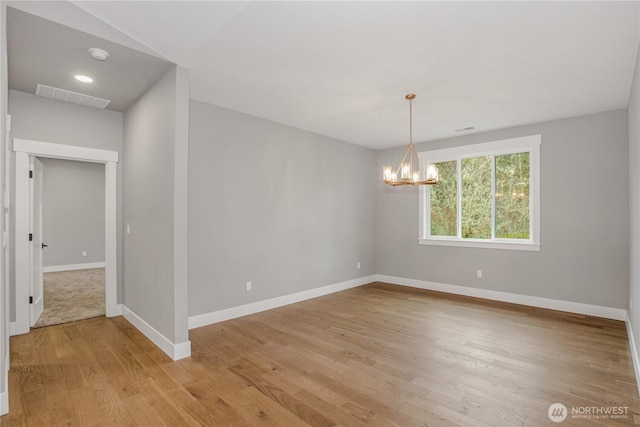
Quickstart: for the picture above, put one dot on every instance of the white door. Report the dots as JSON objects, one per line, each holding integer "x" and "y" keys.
{"x": 36, "y": 287}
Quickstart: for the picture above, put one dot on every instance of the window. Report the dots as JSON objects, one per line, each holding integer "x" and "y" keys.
{"x": 487, "y": 196}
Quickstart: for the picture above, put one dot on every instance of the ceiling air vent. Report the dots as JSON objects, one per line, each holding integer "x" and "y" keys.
{"x": 73, "y": 97}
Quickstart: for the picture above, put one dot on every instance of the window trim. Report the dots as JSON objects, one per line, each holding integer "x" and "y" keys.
{"x": 530, "y": 144}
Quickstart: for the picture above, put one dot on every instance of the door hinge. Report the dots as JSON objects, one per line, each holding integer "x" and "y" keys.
{"x": 30, "y": 300}
{"x": 30, "y": 237}
{"x": 30, "y": 174}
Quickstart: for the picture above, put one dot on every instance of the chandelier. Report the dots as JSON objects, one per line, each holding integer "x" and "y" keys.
{"x": 410, "y": 171}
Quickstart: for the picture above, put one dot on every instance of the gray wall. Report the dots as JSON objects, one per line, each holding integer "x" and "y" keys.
{"x": 73, "y": 212}
{"x": 584, "y": 217}
{"x": 283, "y": 208}
{"x": 48, "y": 120}
{"x": 634, "y": 205}
{"x": 153, "y": 140}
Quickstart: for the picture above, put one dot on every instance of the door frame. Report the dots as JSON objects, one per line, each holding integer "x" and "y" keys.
{"x": 24, "y": 148}
{"x": 36, "y": 285}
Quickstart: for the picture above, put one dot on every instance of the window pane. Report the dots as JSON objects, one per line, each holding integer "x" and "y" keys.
{"x": 512, "y": 196}
{"x": 476, "y": 197}
{"x": 444, "y": 211}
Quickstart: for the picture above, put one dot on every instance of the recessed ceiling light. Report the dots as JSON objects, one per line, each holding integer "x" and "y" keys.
{"x": 99, "y": 54}
{"x": 84, "y": 79}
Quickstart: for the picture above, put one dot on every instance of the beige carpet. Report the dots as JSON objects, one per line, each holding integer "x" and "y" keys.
{"x": 72, "y": 295}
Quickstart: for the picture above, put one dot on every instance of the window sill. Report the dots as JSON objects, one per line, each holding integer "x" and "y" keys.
{"x": 484, "y": 244}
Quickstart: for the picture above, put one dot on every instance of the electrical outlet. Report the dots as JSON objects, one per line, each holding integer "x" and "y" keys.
{"x": 84, "y": 253}
{"x": 479, "y": 274}
{"x": 128, "y": 229}
{"x": 358, "y": 266}
{"x": 248, "y": 286}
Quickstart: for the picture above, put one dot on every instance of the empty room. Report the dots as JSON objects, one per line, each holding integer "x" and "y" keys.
{"x": 319, "y": 213}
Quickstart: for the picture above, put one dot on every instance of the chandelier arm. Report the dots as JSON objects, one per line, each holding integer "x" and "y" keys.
{"x": 414, "y": 156}
{"x": 407, "y": 156}
{"x": 407, "y": 153}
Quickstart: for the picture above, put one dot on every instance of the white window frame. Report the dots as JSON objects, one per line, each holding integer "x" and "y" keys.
{"x": 530, "y": 144}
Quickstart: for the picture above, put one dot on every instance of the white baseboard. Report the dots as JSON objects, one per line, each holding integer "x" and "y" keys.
{"x": 14, "y": 329}
{"x": 117, "y": 311}
{"x": 552, "y": 304}
{"x": 4, "y": 396}
{"x": 634, "y": 354}
{"x": 4, "y": 403}
{"x": 70, "y": 267}
{"x": 182, "y": 350}
{"x": 174, "y": 351}
{"x": 256, "y": 307}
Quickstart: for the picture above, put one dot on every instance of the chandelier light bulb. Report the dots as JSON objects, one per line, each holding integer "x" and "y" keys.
{"x": 432, "y": 172}
{"x": 406, "y": 171}
{"x": 386, "y": 173}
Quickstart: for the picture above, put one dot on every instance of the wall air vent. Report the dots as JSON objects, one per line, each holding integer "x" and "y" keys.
{"x": 73, "y": 97}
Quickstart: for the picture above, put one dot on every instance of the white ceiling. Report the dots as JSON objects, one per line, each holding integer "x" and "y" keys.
{"x": 342, "y": 68}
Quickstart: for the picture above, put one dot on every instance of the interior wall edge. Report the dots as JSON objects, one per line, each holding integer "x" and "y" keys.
{"x": 174, "y": 351}
{"x": 634, "y": 354}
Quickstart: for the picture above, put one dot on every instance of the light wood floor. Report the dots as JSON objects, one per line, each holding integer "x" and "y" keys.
{"x": 376, "y": 355}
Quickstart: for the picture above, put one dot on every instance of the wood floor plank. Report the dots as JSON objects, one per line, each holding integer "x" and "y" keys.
{"x": 277, "y": 394}
{"x": 112, "y": 410}
{"x": 377, "y": 355}
{"x": 214, "y": 410}
{"x": 86, "y": 406}
{"x": 141, "y": 411}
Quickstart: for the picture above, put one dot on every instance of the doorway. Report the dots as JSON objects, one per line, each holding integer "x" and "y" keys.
{"x": 23, "y": 272}
{"x": 71, "y": 211}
